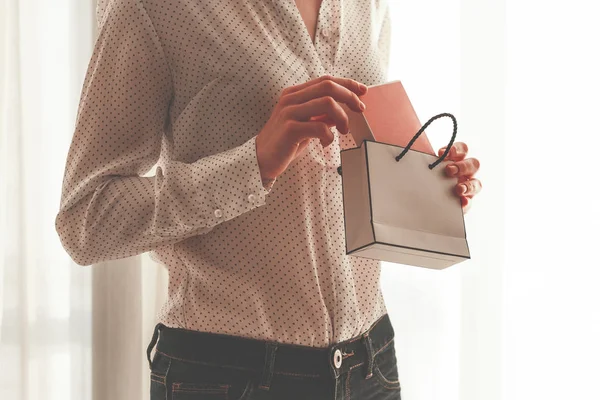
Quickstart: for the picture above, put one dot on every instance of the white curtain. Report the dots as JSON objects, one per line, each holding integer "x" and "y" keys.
{"x": 518, "y": 321}
{"x": 551, "y": 296}
{"x": 66, "y": 331}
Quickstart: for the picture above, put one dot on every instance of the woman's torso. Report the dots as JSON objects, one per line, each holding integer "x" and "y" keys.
{"x": 280, "y": 271}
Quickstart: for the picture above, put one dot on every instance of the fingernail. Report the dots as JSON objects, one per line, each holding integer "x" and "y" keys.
{"x": 362, "y": 87}
{"x": 463, "y": 188}
{"x": 362, "y": 105}
{"x": 453, "y": 169}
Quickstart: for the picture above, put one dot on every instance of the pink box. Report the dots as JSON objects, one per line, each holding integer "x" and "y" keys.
{"x": 389, "y": 118}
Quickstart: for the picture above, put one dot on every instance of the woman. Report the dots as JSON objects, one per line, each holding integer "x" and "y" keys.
{"x": 245, "y": 209}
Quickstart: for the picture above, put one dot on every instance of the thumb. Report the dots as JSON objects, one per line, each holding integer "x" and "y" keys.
{"x": 301, "y": 147}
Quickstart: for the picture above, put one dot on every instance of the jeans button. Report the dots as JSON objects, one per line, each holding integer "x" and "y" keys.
{"x": 337, "y": 358}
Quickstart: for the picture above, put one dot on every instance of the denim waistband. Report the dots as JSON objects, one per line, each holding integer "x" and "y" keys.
{"x": 271, "y": 357}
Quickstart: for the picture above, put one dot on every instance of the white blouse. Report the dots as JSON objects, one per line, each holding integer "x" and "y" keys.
{"x": 187, "y": 85}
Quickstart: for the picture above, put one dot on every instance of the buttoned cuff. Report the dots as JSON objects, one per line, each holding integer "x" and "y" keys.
{"x": 198, "y": 196}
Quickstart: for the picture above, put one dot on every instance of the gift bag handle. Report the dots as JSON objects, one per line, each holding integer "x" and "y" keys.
{"x": 412, "y": 141}
{"x": 439, "y": 160}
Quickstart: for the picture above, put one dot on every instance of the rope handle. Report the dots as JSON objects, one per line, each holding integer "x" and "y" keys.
{"x": 412, "y": 141}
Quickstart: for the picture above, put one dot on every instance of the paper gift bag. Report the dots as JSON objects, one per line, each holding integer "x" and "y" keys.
{"x": 400, "y": 206}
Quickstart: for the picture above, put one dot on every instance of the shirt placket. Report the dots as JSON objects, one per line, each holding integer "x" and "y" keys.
{"x": 327, "y": 40}
{"x": 328, "y": 33}
{"x": 318, "y": 59}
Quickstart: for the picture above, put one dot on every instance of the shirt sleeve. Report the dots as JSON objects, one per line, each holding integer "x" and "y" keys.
{"x": 108, "y": 210}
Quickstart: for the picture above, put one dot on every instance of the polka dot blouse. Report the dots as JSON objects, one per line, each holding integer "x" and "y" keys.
{"x": 186, "y": 86}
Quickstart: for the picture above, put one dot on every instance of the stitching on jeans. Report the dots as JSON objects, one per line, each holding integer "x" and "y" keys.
{"x": 195, "y": 386}
{"x": 386, "y": 383}
{"x": 272, "y": 362}
{"x": 279, "y": 373}
{"x": 370, "y": 356}
{"x": 166, "y": 374}
{"x": 383, "y": 347}
{"x": 248, "y": 389}
{"x": 267, "y": 360}
{"x": 346, "y": 355}
{"x": 234, "y": 367}
{"x": 348, "y": 384}
{"x": 168, "y": 369}
{"x": 378, "y": 371}
{"x": 157, "y": 377}
{"x": 348, "y": 379}
{"x": 265, "y": 365}
{"x": 384, "y": 378}
{"x": 203, "y": 363}
{"x": 293, "y": 374}
{"x": 207, "y": 390}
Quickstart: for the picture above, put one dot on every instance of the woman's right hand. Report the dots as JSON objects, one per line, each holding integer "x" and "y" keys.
{"x": 304, "y": 112}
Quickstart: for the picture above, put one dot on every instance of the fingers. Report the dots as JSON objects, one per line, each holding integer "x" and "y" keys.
{"x": 351, "y": 84}
{"x": 319, "y": 100}
{"x": 301, "y": 146}
{"x": 298, "y": 132}
{"x": 463, "y": 168}
{"x": 318, "y": 106}
{"x": 325, "y": 119}
{"x": 467, "y": 167}
{"x": 325, "y": 88}
{"x": 466, "y": 204}
{"x": 457, "y": 152}
{"x": 469, "y": 187}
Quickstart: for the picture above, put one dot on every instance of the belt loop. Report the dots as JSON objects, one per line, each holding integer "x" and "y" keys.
{"x": 153, "y": 342}
{"x": 369, "y": 346}
{"x": 265, "y": 381}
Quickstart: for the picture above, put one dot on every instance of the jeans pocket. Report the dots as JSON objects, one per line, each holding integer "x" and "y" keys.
{"x": 174, "y": 379}
{"x": 385, "y": 368}
{"x": 212, "y": 391}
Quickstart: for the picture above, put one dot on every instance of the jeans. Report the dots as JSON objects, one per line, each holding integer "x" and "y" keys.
{"x": 200, "y": 366}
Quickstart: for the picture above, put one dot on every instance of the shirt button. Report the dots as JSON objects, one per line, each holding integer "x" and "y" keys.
{"x": 218, "y": 213}
{"x": 325, "y": 32}
{"x": 251, "y": 198}
{"x": 337, "y": 358}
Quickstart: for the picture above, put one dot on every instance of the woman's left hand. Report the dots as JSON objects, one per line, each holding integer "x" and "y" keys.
{"x": 462, "y": 168}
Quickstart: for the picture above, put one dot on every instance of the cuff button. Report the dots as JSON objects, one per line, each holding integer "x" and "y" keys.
{"x": 218, "y": 213}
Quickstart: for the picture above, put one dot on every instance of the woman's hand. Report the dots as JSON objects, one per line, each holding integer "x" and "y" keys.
{"x": 304, "y": 112}
{"x": 462, "y": 168}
